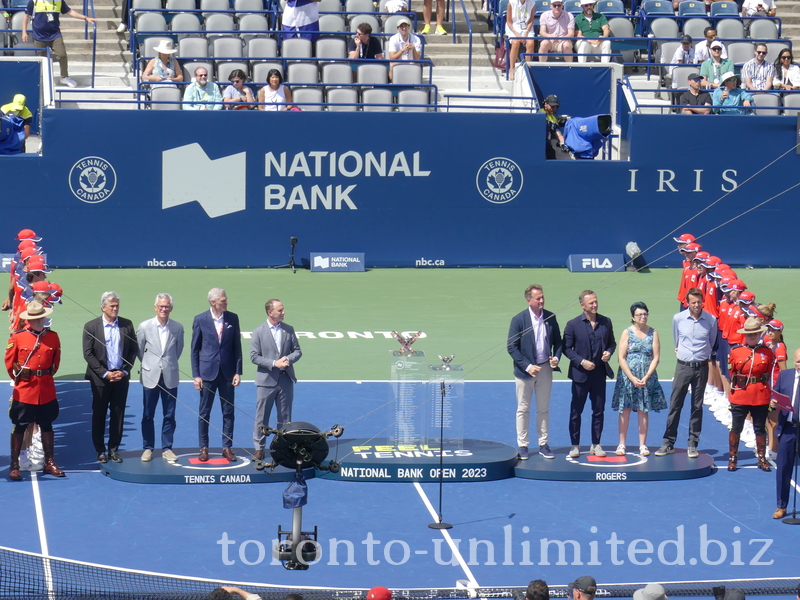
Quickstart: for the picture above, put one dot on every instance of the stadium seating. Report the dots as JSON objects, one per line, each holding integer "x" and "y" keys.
{"x": 611, "y": 8}
{"x": 719, "y": 9}
{"x": 305, "y": 72}
{"x": 372, "y": 74}
{"x": 730, "y": 29}
{"x": 146, "y": 5}
{"x": 186, "y": 22}
{"x": 332, "y": 23}
{"x": 657, "y": 7}
{"x": 308, "y": 94}
{"x": 213, "y": 5}
{"x": 180, "y": 5}
{"x": 337, "y": 73}
{"x": 356, "y": 7}
{"x": 260, "y": 70}
{"x": 188, "y": 69}
{"x": 226, "y": 47}
{"x": 217, "y": 24}
{"x": 342, "y": 99}
{"x": 407, "y": 74}
{"x": 740, "y": 52}
{"x": 250, "y": 24}
{"x": 691, "y": 7}
{"x": 791, "y": 101}
{"x": 357, "y": 20}
{"x": 225, "y": 68}
{"x": 262, "y": 48}
{"x": 330, "y": 6}
{"x": 247, "y": 6}
{"x": 413, "y": 101}
{"x": 664, "y": 28}
{"x": 330, "y": 48}
{"x": 194, "y": 47}
{"x": 695, "y": 27}
{"x": 164, "y": 93}
{"x": 763, "y": 103}
{"x": 763, "y": 29}
{"x": 377, "y": 100}
{"x": 573, "y": 6}
{"x": 150, "y": 21}
{"x": 148, "y": 47}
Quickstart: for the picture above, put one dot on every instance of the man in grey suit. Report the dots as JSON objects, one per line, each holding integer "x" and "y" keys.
{"x": 273, "y": 349}
{"x": 160, "y": 347}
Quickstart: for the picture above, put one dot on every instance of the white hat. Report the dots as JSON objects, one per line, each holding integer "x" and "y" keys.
{"x": 166, "y": 47}
{"x": 653, "y": 591}
{"x": 726, "y": 76}
{"x": 585, "y": 2}
{"x": 403, "y": 20}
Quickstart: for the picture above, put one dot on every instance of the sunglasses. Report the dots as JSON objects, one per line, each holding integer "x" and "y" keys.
{"x": 203, "y": 75}
{"x": 786, "y": 58}
{"x": 236, "y": 81}
{"x": 716, "y": 49}
{"x": 759, "y": 52}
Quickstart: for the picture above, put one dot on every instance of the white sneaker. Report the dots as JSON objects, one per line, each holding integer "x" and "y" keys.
{"x": 575, "y": 452}
{"x": 147, "y": 456}
{"x": 597, "y": 450}
{"x": 122, "y": 28}
{"x": 69, "y": 81}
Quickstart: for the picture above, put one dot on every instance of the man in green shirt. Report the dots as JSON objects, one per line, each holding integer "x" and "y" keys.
{"x": 593, "y": 27}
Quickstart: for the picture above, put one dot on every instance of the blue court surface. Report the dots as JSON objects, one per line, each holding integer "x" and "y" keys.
{"x": 505, "y": 532}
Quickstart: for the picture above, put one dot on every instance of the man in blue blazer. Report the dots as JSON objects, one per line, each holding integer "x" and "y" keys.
{"x": 273, "y": 349}
{"x": 534, "y": 343}
{"x": 216, "y": 366}
{"x": 588, "y": 343}
{"x": 788, "y": 385}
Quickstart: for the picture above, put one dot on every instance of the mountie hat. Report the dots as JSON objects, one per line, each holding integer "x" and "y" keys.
{"x": 652, "y": 591}
{"x": 379, "y": 593}
{"x": 35, "y": 310}
{"x": 585, "y": 584}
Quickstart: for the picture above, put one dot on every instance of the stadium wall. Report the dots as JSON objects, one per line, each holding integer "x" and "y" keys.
{"x": 196, "y": 189}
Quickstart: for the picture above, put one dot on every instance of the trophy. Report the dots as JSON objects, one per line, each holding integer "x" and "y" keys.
{"x": 405, "y": 343}
{"x": 446, "y": 360}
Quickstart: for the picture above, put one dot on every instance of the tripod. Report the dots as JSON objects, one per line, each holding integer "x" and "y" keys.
{"x": 291, "y": 264}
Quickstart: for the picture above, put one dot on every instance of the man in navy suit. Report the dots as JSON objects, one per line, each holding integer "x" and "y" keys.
{"x": 788, "y": 385}
{"x": 588, "y": 343}
{"x": 216, "y": 366}
{"x": 273, "y": 349}
{"x": 534, "y": 343}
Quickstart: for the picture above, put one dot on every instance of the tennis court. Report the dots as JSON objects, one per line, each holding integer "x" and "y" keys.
{"x": 510, "y": 531}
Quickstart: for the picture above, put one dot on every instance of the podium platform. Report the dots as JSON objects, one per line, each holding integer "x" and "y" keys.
{"x": 189, "y": 470}
{"x": 631, "y": 467}
{"x": 381, "y": 460}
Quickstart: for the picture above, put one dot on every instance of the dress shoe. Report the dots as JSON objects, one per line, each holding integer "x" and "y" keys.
{"x": 114, "y": 455}
{"x": 779, "y": 513}
{"x": 259, "y": 455}
{"x": 203, "y": 454}
{"x": 228, "y": 453}
{"x": 168, "y": 455}
{"x": 102, "y": 457}
{"x": 147, "y": 455}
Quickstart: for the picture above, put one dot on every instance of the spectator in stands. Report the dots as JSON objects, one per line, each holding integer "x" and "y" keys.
{"x": 715, "y": 67}
{"x": 519, "y": 24}
{"x": 229, "y": 592}
{"x": 396, "y": 6}
{"x": 759, "y": 8}
{"x": 787, "y": 74}
{"x": 202, "y": 95}
{"x": 684, "y": 55}
{"x": 237, "y": 96}
{"x": 728, "y": 99}
{"x": 164, "y": 68}
{"x": 702, "y": 52}
{"x": 363, "y": 45}
{"x": 594, "y": 27}
{"x": 537, "y": 590}
{"x": 427, "y": 10}
{"x": 403, "y": 45}
{"x": 699, "y": 100}
{"x": 17, "y": 108}
{"x": 46, "y": 30}
{"x": 302, "y": 17}
{"x": 583, "y": 588}
{"x": 275, "y": 93}
{"x": 556, "y": 23}
{"x": 757, "y": 73}
{"x": 554, "y": 142}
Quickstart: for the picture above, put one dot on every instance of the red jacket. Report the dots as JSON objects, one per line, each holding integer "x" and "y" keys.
{"x": 747, "y": 364}
{"x": 35, "y": 389}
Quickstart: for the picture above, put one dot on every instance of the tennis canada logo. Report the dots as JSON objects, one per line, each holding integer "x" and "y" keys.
{"x": 499, "y": 180}
{"x": 92, "y": 179}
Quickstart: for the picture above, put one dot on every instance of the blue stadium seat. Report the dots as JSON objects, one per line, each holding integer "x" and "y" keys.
{"x": 724, "y": 8}
{"x": 541, "y": 5}
{"x": 610, "y": 8}
{"x": 691, "y": 7}
{"x": 657, "y": 7}
{"x": 573, "y": 6}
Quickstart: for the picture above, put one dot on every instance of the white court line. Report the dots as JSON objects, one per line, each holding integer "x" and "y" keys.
{"x": 447, "y": 536}
{"x": 37, "y": 502}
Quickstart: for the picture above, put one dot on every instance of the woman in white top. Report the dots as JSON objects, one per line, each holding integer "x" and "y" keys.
{"x": 164, "y": 68}
{"x": 519, "y": 24}
{"x": 276, "y": 95}
{"x": 787, "y": 74}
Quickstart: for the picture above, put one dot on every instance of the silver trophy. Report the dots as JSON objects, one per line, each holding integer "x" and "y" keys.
{"x": 405, "y": 343}
{"x": 446, "y": 360}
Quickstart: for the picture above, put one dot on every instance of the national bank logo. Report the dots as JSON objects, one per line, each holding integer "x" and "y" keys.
{"x": 323, "y": 262}
{"x": 219, "y": 189}
{"x": 499, "y": 180}
{"x": 92, "y": 179}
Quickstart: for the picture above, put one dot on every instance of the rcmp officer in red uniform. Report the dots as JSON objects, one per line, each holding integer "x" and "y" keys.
{"x": 751, "y": 367}
{"x": 32, "y": 358}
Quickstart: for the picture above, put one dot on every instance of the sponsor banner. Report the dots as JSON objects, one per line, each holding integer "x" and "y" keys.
{"x": 332, "y": 262}
{"x": 5, "y": 262}
{"x": 592, "y": 263}
{"x": 485, "y": 201}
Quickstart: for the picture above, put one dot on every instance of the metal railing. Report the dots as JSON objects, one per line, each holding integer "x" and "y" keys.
{"x": 469, "y": 30}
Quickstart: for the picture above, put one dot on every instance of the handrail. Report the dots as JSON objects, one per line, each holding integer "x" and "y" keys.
{"x": 469, "y": 29}
{"x": 94, "y": 34}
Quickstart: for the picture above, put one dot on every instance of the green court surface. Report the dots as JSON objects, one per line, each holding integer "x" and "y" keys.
{"x": 465, "y": 312}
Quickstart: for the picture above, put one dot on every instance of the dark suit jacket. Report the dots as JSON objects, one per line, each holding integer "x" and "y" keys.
{"x": 522, "y": 342}
{"x": 94, "y": 348}
{"x": 577, "y": 346}
{"x": 212, "y": 355}
{"x": 784, "y": 386}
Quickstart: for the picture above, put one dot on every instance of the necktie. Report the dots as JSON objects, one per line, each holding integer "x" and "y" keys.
{"x": 796, "y": 402}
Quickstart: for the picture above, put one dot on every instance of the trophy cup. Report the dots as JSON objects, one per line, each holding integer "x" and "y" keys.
{"x": 445, "y": 366}
{"x": 405, "y": 344}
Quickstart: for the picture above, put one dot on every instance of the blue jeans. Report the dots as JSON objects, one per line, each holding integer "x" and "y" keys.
{"x": 168, "y": 401}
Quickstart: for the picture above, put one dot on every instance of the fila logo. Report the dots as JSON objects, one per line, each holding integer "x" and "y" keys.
{"x": 596, "y": 263}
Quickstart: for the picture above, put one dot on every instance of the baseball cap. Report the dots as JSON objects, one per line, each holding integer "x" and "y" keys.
{"x": 701, "y": 256}
{"x": 738, "y": 285}
{"x": 28, "y": 234}
{"x": 693, "y": 76}
{"x": 552, "y": 100}
{"x": 692, "y": 247}
{"x": 18, "y": 103}
{"x": 652, "y": 591}
{"x": 686, "y": 238}
{"x": 36, "y": 263}
{"x": 686, "y": 39}
{"x": 379, "y": 593}
{"x": 776, "y": 325}
{"x": 747, "y": 297}
{"x": 27, "y": 253}
{"x": 717, "y": 44}
{"x": 734, "y": 594}
{"x": 403, "y": 21}
{"x": 585, "y": 2}
{"x": 585, "y": 584}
